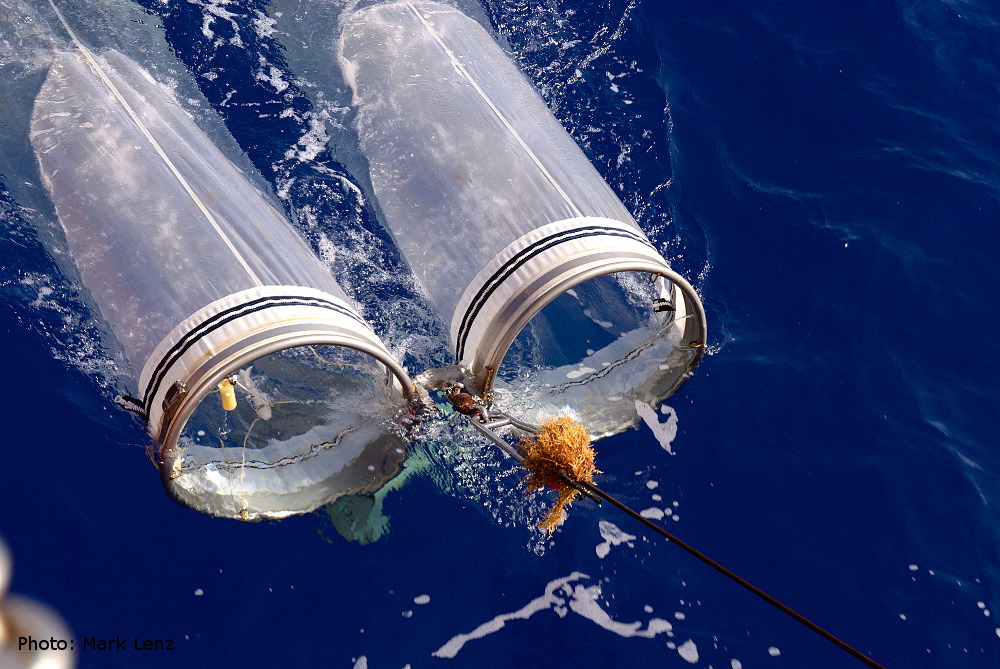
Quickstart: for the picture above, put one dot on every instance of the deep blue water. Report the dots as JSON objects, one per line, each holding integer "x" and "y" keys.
{"x": 828, "y": 176}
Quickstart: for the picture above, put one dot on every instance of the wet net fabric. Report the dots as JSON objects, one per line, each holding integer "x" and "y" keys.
{"x": 542, "y": 273}
{"x": 204, "y": 283}
{"x": 153, "y": 212}
{"x": 460, "y": 146}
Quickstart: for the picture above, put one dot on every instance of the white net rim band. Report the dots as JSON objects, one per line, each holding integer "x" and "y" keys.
{"x": 530, "y": 272}
{"x": 232, "y": 331}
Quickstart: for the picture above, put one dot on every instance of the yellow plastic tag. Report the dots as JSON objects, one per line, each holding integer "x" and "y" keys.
{"x": 228, "y": 394}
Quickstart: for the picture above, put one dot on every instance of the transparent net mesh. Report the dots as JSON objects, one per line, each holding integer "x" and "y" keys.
{"x": 496, "y": 208}
{"x": 158, "y": 220}
{"x": 464, "y": 156}
{"x": 311, "y": 424}
{"x": 594, "y": 351}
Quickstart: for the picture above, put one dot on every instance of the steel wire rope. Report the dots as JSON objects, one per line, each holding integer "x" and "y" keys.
{"x": 594, "y": 490}
{"x": 486, "y": 422}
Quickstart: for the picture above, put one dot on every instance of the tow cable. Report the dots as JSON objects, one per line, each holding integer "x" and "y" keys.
{"x": 561, "y": 453}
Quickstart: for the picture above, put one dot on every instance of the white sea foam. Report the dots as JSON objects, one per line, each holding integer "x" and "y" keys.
{"x": 312, "y": 142}
{"x": 263, "y": 24}
{"x": 612, "y": 537}
{"x": 664, "y": 432}
{"x": 584, "y": 602}
{"x": 689, "y": 651}
{"x": 215, "y": 9}
{"x": 562, "y": 596}
{"x": 271, "y": 75}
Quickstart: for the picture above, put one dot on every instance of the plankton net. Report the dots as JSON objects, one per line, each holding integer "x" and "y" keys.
{"x": 266, "y": 392}
{"x": 555, "y": 296}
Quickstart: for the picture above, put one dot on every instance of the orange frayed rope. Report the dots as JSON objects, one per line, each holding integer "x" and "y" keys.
{"x": 563, "y": 446}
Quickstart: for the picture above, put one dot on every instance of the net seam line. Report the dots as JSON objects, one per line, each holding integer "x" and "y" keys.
{"x": 156, "y": 147}
{"x": 503, "y": 119}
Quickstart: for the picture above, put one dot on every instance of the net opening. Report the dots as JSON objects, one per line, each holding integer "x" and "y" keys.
{"x": 274, "y": 401}
{"x": 596, "y": 349}
{"x": 311, "y": 424}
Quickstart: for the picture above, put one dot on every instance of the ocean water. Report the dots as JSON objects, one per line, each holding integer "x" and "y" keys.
{"x": 827, "y": 176}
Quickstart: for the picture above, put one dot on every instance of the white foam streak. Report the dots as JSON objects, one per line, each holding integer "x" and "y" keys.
{"x": 311, "y": 143}
{"x": 664, "y": 432}
{"x": 612, "y": 537}
{"x": 546, "y": 601}
{"x": 561, "y": 597}
{"x": 584, "y": 603}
